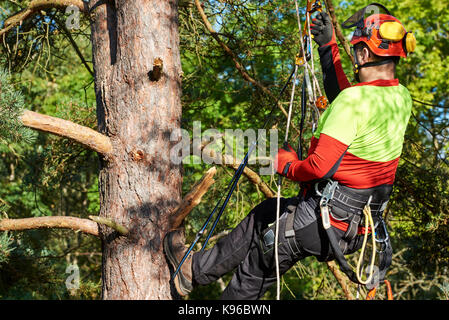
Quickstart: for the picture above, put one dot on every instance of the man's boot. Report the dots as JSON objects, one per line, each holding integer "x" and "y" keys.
{"x": 174, "y": 249}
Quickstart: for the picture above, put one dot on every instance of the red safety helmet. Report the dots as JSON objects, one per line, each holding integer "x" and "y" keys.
{"x": 382, "y": 32}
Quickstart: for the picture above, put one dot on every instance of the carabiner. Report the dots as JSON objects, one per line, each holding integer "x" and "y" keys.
{"x": 385, "y": 233}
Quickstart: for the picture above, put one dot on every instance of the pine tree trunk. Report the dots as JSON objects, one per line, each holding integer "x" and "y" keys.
{"x": 137, "y": 107}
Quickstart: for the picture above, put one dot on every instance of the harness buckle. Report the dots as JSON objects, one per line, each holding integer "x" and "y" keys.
{"x": 328, "y": 192}
{"x": 326, "y": 196}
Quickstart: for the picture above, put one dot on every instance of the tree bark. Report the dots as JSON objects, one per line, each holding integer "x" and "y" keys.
{"x": 139, "y": 186}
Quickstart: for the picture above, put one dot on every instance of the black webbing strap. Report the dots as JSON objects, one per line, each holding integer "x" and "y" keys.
{"x": 349, "y": 200}
{"x": 353, "y": 227}
{"x": 289, "y": 227}
{"x": 338, "y": 254}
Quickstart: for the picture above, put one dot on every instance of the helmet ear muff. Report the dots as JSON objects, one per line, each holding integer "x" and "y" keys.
{"x": 409, "y": 42}
{"x": 392, "y": 31}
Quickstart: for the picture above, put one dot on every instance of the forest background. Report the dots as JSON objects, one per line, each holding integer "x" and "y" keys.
{"x": 49, "y": 61}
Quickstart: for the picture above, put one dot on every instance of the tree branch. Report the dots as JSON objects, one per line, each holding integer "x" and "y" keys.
{"x": 340, "y": 279}
{"x": 253, "y": 177}
{"x": 35, "y": 7}
{"x": 237, "y": 64}
{"x": 76, "y": 224}
{"x": 338, "y": 32}
{"x": 84, "y": 135}
{"x": 192, "y": 199}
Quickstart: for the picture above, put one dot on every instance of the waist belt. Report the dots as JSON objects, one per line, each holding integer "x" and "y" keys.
{"x": 353, "y": 201}
{"x": 347, "y": 204}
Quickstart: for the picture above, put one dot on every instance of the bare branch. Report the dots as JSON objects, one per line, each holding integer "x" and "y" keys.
{"x": 75, "y": 46}
{"x": 35, "y": 7}
{"x": 340, "y": 278}
{"x": 253, "y": 177}
{"x": 192, "y": 199}
{"x": 84, "y": 135}
{"x": 76, "y": 224}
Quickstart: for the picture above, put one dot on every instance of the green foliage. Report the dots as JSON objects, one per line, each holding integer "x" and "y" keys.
{"x": 50, "y": 175}
{"x": 11, "y": 108}
{"x": 5, "y": 247}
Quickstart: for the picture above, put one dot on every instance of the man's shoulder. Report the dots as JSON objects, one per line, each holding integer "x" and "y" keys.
{"x": 348, "y": 97}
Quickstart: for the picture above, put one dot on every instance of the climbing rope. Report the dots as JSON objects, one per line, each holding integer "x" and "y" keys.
{"x": 368, "y": 222}
{"x": 311, "y": 85}
{"x": 278, "y": 204}
{"x": 221, "y": 205}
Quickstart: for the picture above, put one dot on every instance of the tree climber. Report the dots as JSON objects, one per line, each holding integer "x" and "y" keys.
{"x": 352, "y": 160}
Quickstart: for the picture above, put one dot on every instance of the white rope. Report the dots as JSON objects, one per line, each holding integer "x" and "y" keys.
{"x": 312, "y": 86}
{"x": 311, "y": 66}
{"x": 290, "y": 106}
{"x": 276, "y": 250}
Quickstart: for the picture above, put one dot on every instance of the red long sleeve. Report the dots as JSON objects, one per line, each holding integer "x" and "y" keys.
{"x": 324, "y": 155}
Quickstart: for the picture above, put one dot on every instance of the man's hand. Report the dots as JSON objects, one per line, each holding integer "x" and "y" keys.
{"x": 283, "y": 160}
{"x": 322, "y": 29}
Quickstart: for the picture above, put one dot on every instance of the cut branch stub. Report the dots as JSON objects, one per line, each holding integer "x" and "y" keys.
{"x": 156, "y": 73}
{"x": 111, "y": 224}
